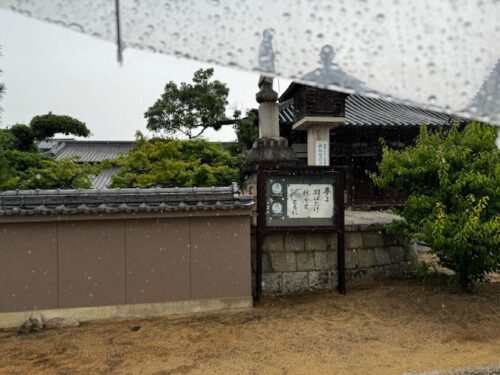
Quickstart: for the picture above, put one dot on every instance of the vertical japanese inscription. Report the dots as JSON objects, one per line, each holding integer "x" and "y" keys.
{"x": 309, "y": 201}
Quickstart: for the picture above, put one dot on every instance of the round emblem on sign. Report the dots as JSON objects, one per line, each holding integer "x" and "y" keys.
{"x": 276, "y": 188}
{"x": 277, "y": 207}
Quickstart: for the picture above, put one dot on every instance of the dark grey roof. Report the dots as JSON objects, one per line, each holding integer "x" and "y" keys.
{"x": 89, "y": 151}
{"x": 103, "y": 179}
{"x": 360, "y": 110}
{"x": 91, "y": 201}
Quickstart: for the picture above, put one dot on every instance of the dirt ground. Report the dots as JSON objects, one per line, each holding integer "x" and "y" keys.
{"x": 386, "y": 328}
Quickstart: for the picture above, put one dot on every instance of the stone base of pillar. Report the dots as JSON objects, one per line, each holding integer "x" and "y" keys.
{"x": 270, "y": 151}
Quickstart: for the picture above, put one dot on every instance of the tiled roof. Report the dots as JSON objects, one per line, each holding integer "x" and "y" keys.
{"x": 103, "y": 179}
{"x": 91, "y": 201}
{"x": 90, "y": 151}
{"x": 49, "y": 144}
{"x": 360, "y": 110}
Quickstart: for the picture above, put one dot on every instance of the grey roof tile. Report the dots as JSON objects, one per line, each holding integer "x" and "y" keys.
{"x": 362, "y": 111}
{"x": 103, "y": 179}
{"x": 88, "y": 201}
{"x": 88, "y": 151}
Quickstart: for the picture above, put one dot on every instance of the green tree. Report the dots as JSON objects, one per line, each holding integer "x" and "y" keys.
{"x": 46, "y": 126}
{"x": 247, "y": 128}
{"x": 23, "y": 167}
{"x": 172, "y": 162}
{"x": 33, "y": 170}
{"x": 190, "y": 109}
{"x": 40, "y": 128}
{"x": 453, "y": 178}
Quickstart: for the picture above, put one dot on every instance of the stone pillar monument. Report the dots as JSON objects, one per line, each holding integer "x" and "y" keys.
{"x": 270, "y": 148}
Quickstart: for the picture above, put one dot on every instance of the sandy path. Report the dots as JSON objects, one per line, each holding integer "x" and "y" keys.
{"x": 388, "y": 328}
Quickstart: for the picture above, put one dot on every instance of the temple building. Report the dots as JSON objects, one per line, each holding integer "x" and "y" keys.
{"x": 327, "y": 127}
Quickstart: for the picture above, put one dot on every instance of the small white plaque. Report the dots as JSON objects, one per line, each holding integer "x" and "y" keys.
{"x": 309, "y": 201}
{"x": 322, "y": 153}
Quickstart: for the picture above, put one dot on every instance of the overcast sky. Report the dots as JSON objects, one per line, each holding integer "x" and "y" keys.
{"x": 49, "y": 68}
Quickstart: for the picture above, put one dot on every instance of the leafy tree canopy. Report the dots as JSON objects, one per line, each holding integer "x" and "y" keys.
{"x": 247, "y": 128}
{"x": 46, "y": 126}
{"x": 22, "y": 137}
{"x": 453, "y": 179}
{"x": 172, "y": 162}
{"x": 32, "y": 170}
{"x": 23, "y": 167}
{"x": 190, "y": 108}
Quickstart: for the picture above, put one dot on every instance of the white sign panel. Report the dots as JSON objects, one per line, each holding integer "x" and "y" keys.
{"x": 310, "y": 201}
{"x": 321, "y": 153}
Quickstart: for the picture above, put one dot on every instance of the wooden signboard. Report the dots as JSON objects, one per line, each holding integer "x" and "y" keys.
{"x": 306, "y": 200}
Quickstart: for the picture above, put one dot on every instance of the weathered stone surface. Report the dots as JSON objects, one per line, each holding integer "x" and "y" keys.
{"x": 273, "y": 242}
{"x": 406, "y": 267}
{"x": 305, "y": 261}
{"x": 320, "y": 260}
{"x": 294, "y": 282}
{"x": 326, "y": 260}
{"x": 369, "y": 217}
{"x": 265, "y": 150}
{"x": 283, "y": 262}
{"x": 266, "y": 263}
{"x": 366, "y": 258}
{"x": 397, "y": 254}
{"x": 379, "y": 272}
{"x": 360, "y": 276}
{"x": 382, "y": 256}
{"x": 271, "y": 283}
{"x": 392, "y": 270}
{"x": 353, "y": 240}
{"x": 316, "y": 242}
{"x": 391, "y": 240}
{"x": 34, "y": 323}
{"x": 332, "y": 241}
{"x": 294, "y": 242}
{"x": 369, "y": 274}
{"x": 351, "y": 228}
{"x": 370, "y": 227}
{"x": 351, "y": 259}
{"x": 332, "y": 259}
{"x": 353, "y": 276}
{"x": 319, "y": 280}
{"x": 373, "y": 239}
{"x": 61, "y": 323}
{"x": 297, "y": 262}
{"x": 334, "y": 279}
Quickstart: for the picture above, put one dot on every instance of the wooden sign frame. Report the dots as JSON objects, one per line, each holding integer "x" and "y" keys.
{"x": 267, "y": 172}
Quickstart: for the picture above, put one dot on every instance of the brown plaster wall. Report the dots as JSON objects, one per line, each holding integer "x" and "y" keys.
{"x": 64, "y": 263}
{"x": 158, "y": 260}
{"x": 28, "y": 266}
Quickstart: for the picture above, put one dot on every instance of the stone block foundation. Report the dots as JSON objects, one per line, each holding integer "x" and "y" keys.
{"x": 295, "y": 263}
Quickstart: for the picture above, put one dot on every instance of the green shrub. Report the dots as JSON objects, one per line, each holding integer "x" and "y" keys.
{"x": 172, "y": 162}
{"x": 453, "y": 178}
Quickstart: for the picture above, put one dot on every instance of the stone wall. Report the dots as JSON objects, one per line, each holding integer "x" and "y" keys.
{"x": 294, "y": 263}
